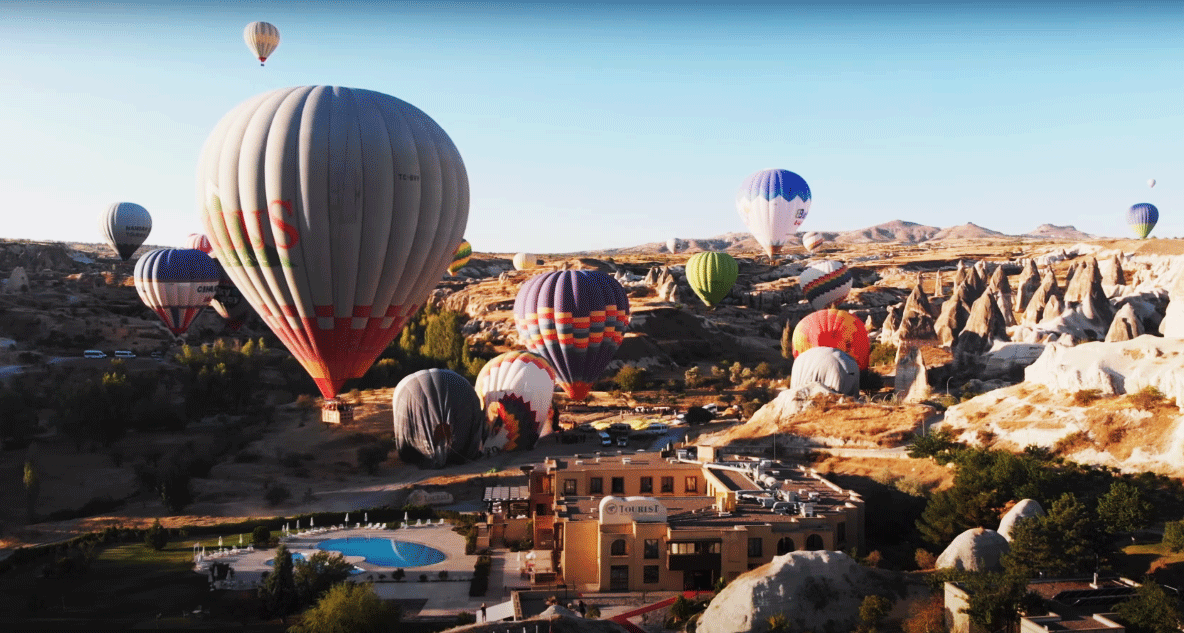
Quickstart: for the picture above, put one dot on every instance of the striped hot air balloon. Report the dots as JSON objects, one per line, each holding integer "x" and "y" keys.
{"x": 334, "y": 211}
{"x": 125, "y": 226}
{"x": 461, "y": 257}
{"x": 833, "y": 328}
{"x": 177, "y": 283}
{"x": 826, "y": 283}
{"x": 576, "y": 319}
{"x": 262, "y": 38}
{"x": 1142, "y": 218}
{"x": 712, "y": 275}
{"x": 519, "y": 387}
{"x": 812, "y": 240}
{"x": 199, "y": 242}
{"x": 773, "y": 203}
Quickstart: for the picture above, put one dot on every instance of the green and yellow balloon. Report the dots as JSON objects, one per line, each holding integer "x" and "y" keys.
{"x": 461, "y": 258}
{"x": 712, "y": 275}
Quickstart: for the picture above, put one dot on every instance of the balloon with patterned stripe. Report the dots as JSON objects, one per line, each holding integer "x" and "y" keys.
{"x": 177, "y": 283}
{"x": 576, "y": 319}
{"x": 1142, "y": 218}
{"x": 262, "y": 38}
{"x": 200, "y": 242}
{"x": 826, "y": 283}
{"x": 518, "y": 386}
{"x": 461, "y": 257}
{"x": 812, "y": 240}
{"x": 833, "y": 328}
{"x": 334, "y": 211}
{"x": 773, "y": 203}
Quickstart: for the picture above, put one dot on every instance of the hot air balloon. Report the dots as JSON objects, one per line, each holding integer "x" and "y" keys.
{"x": 515, "y": 388}
{"x": 334, "y": 211}
{"x": 773, "y": 203}
{"x": 712, "y": 275}
{"x": 262, "y": 38}
{"x": 832, "y": 328}
{"x": 228, "y": 302}
{"x": 1142, "y": 218}
{"x": 438, "y": 419}
{"x": 197, "y": 241}
{"x": 177, "y": 283}
{"x": 576, "y": 319}
{"x": 1151, "y": 183}
{"x": 460, "y": 257}
{"x": 125, "y": 226}
{"x": 525, "y": 261}
{"x": 812, "y": 240}
{"x": 826, "y": 283}
{"x": 672, "y": 245}
{"x": 832, "y": 368}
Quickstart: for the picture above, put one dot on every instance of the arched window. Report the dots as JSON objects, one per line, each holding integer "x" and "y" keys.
{"x": 618, "y": 547}
{"x": 785, "y": 546}
{"x": 814, "y": 543}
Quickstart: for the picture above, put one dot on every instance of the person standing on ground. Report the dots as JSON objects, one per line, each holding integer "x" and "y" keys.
{"x": 583, "y": 609}
{"x": 483, "y": 616}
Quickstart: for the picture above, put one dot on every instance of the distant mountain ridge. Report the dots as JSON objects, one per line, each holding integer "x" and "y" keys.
{"x": 894, "y": 232}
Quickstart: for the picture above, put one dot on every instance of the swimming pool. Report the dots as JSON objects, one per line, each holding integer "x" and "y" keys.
{"x": 385, "y": 552}
{"x": 297, "y": 556}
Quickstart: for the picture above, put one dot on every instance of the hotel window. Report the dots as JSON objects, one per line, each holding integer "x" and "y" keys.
{"x": 841, "y": 533}
{"x": 546, "y": 482}
{"x": 649, "y": 574}
{"x": 755, "y": 548}
{"x": 647, "y": 485}
{"x": 682, "y": 549}
{"x": 618, "y": 548}
{"x": 692, "y": 484}
{"x": 618, "y": 485}
{"x": 668, "y": 484}
{"x": 651, "y": 548}
{"x": 596, "y": 486}
{"x": 569, "y": 486}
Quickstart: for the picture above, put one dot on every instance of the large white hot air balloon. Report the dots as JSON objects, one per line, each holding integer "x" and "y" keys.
{"x": 262, "y": 38}
{"x": 125, "y": 226}
{"x": 773, "y": 203}
{"x": 334, "y": 211}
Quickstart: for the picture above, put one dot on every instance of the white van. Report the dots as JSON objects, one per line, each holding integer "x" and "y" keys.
{"x": 94, "y": 353}
{"x": 122, "y": 353}
{"x": 657, "y": 428}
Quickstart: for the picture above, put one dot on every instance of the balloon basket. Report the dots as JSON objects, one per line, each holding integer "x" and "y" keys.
{"x": 336, "y": 412}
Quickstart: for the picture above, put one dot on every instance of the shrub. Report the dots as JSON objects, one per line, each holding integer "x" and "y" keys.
{"x": 423, "y": 578}
{"x": 1147, "y": 398}
{"x": 261, "y": 536}
{"x": 593, "y": 612}
{"x": 443, "y": 575}
{"x": 1085, "y": 397}
{"x": 398, "y": 575}
{"x": 465, "y": 617}
{"x": 882, "y": 354}
{"x": 156, "y": 536}
{"x": 1071, "y": 443}
{"x": 925, "y": 559}
{"x": 873, "y": 559}
{"x": 276, "y": 495}
{"x": 630, "y": 378}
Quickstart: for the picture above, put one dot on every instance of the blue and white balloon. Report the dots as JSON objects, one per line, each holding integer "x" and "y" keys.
{"x": 773, "y": 203}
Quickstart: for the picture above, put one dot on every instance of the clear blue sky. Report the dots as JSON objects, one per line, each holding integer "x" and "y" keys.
{"x": 600, "y": 125}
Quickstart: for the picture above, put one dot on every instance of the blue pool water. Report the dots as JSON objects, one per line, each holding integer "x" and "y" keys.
{"x": 297, "y": 556}
{"x": 385, "y": 552}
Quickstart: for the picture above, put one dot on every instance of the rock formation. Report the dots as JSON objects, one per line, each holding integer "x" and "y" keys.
{"x": 912, "y": 380}
{"x": 1113, "y": 368}
{"x": 1000, "y": 289}
{"x": 983, "y": 327}
{"x": 976, "y": 549}
{"x": 916, "y": 321}
{"x": 1112, "y": 274}
{"x": 1025, "y": 509}
{"x": 1125, "y": 326}
{"x": 18, "y": 281}
{"x": 1085, "y": 294}
{"x": 954, "y": 313}
{"x": 1034, "y": 309}
{"x": 1028, "y": 283}
{"x": 892, "y": 322}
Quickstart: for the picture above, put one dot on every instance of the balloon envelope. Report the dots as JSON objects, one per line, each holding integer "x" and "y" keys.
{"x": 812, "y": 240}
{"x": 1151, "y": 183}
{"x": 438, "y": 419}
{"x": 773, "y": 203}
{"x": 125, "y": 226}
{"x": 832, "y": 368}
{"x": 228, "y": 302}
{"x": 177, "y": 283}
{"x": 833, "y": 328}
{"x": 826, "y": 283}
{"x": 199, "y": 242}
{"x": 576, "y": 319}
{"x": 262, "y": 38}
{"x": 672, "y": 245}
{"x": 460, "y": 257}
{"x": 524, "y": 261}
{"x": 712, "y": 275}
{"x": 334, "y": 211}
{"x": 521, "y": 385}
{"x": 1142, "y": 218}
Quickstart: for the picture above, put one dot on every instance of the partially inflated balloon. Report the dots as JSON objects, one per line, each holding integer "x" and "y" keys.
{"x": 335, "y": 211}
{"x": 438, "y": 419}
{"x": 262, "y": 38}
{"x": 833, "y": 328}
{"x": 672, "y": 245}
{"x": 1142, "y": 218}
{"x": 576, "y": 319}
{"x": 125, "y": 226}
{"x": 832, "y": 368}
{"x": 518, "y": 387}
{"x": 524, "y": 261}
{"x": 826, "y": 283}
{"x": 199, "y": 242}
{"x": 228, "y": 302}
{"x": 460, "y": 257}
{"x": 773, "y": 203}
{"x": 812, "y": 240}
{"x": 712, "y": 275}
{"x": 177, "y": 283}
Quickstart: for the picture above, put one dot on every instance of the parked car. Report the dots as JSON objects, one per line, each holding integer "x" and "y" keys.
{"x": 94, "y": 353}
{"x": 122, "y": 353}
{"x": 623, "y": 440}
{"x": 606, "y": 439}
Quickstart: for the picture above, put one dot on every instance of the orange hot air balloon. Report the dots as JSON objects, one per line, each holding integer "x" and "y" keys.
{"x": 833, "y": 328}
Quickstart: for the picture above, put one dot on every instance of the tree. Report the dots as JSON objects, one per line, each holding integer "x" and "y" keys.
{"x": 349, "y": 607}
{"x": 278, "y": 596}
{"x": 787, "y": 341}
{"x": 872, "y": 611}
{"x": 1173, "y": 535}
{"x": 1122, "y": 509}
{"x": 173, "y": 486}
{"x": 698, "y": 415}
{"x": 630, "y": 378}
{"x": 32, "y": 489}
{"x": 1152, "y": 610}
{"x": 994, "y": 599}
{"x": 1059, "y": 543}
{"x": 318, "y": 574}
{"x": 371, "y": 455}
{"x": 261, "y": 536}
{"x": 156, "y": 536}
{"x": 926, "y": 616}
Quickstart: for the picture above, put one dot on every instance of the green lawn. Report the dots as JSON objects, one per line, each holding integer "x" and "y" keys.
{"x": 1137, "y": 560}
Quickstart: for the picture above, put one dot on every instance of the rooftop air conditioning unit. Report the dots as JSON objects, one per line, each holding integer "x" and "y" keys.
{"x": 579, "y": 462}
{"x": 626, "y": 460}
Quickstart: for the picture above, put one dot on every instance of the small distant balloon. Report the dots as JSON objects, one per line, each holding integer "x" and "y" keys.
{"x": 461, "y": 257}
{"x": 199, "y": 242}
{"x": 262, "y": 38}
{"x": 1151, "y": 183}
{"x": 125, "y": 226}
{"x": 672, "y": 245}
{"x": 525, "y": 261}
{"x": 1142, "y": 218}
{"x": 812, "y": 240}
